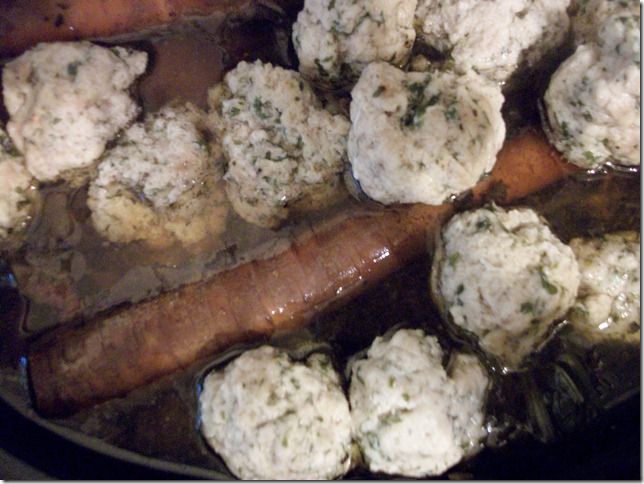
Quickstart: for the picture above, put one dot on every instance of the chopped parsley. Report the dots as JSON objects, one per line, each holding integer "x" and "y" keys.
{"x": 261, "y": 108}
{"x": 545, "y": 283}
{"x": 379, "y": 91}
{"x": 418, "y": 103}
{"x": 72, "y": 69}
{"x": 527, "y": 307}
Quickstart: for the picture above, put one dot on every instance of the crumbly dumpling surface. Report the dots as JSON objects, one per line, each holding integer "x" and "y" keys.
{"x": 272, "y": 418}
{"x": 504, "y": 277}
{"x": 160, "y": 183}
{"x": 608, "y": 303}
{"x": 284, "y": 151}
{"x": 422, "y": 136}
{"x": 593, "y": 99}
{"x": 411, "y": 416}
{"x": 66, "y": 100}
{"x": 16, "y": 189}
{"x": 493, "y": 37}
{"x": 336, "y": 39}
{"x": 589, "y": 16}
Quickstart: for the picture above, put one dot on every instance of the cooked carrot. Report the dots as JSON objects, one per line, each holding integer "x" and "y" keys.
{"x": 73, "y": 367}
{"x": 24, "y": 23}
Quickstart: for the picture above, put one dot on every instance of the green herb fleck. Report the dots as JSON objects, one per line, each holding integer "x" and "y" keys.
{"x": 565, "y": 130}
{"x": 453, "y": 259}
{"x": 379, "y": 91}
{"x": 590, "y": 156}
{"x": 418, "y": 103}
{"x": 391, "y": 419}
{"x": 483, "y": 224}
{"x": 545, "y": 283}
{"x": 201, "y": 144}
{"x": 527, "y": 307}
{"x": 451, "y": 115}
{"x": 260, "y": 107}
{"x": 72, "y": 69}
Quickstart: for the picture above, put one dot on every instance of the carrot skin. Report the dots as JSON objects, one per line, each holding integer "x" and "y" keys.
{"x": 24, "y": 23}
{"x": 73, "y": 367}
{"x": 525, "y": 165}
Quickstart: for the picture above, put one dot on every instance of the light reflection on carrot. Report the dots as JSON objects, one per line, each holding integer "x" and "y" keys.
{"x": 73, "y": 367}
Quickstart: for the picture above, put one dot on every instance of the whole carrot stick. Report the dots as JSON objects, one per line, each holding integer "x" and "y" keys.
{"x": 73, "y": 367}
{"x": 24, "y": 23}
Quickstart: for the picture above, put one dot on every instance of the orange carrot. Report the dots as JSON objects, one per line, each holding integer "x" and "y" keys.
{"x": 73, "y": 367}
